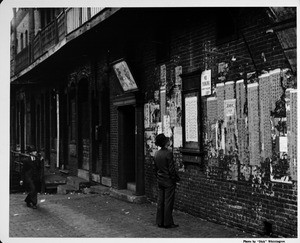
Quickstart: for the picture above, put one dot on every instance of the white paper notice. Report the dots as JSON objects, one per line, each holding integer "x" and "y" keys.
{"x": 177, "y": 137}
{"x": 159, "y": 128}
{"x": 167, "y": 129}
{"x": 206, "y": 83}
{"x": 283, "y": 144}
{"x": 191, "y": 117}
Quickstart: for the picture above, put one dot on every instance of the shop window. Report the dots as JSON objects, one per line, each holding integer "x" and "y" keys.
{"x": 73, "y": 119}
{"x": 72, "y": 113}
{"x": 53, "y": 120}
{"x": 83, "y": 107}
{"x": 226, "y": 26}
{"x": 42, "y": 122}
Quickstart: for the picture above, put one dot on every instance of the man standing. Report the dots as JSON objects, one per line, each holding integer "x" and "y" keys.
{"x": 31, "y": 177}
{"x": 166, "y": 179}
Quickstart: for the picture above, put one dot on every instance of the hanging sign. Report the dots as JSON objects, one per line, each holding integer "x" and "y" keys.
{"x": 206, "y": 83}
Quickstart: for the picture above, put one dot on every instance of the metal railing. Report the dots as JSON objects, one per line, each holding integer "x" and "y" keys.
{"x": 67, "y": 21}
{"x": 22, "y": 59}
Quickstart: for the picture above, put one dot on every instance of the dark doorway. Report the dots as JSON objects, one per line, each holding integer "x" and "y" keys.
{"x": 127, "y": 144}
{"x": 83, "y": 125}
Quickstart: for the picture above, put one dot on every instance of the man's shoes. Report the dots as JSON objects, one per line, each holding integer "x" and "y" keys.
{"x": 171, "y": 226}
{"x": 28, "y": 204}
{"x": 34, "y": 207}
{"x": 160, "y": 226}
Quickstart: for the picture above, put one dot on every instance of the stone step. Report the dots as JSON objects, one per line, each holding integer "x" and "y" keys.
{"x": 131, "y": 186}
{"x": 65, "y": 189}
{"x": 99, "y": 189}
{"x": 106, "y": 181}
{"x": 52, "y": 181}
{"x": 77, "y": 182}
{"x": 127, "y": 195}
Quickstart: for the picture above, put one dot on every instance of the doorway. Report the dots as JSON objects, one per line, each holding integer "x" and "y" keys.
{"x": 83, "y": 125}
{"x": 127, "y": 145}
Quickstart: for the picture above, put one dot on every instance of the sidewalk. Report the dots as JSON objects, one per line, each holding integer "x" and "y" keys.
{"x": 99, "y": 215}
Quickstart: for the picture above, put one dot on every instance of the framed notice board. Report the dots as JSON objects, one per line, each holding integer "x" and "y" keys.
{"x": 191, "y": 117}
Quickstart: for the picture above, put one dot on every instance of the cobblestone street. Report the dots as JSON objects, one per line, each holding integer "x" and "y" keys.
{"x": 99, "y": 215}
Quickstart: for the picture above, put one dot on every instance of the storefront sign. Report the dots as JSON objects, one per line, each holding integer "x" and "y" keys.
{"x": 124, "y": 75}
{"x": 191, "y": 115}
{"x": 206, "y": 83}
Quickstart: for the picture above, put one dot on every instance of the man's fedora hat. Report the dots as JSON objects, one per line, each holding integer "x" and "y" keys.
{"x": 161, "y": 140}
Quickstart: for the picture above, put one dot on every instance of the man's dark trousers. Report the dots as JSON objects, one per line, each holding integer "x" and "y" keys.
{"x": 165, "y": 204}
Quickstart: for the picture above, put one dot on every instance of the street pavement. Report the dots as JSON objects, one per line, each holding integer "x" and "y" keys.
{"x": 99, "y": 215}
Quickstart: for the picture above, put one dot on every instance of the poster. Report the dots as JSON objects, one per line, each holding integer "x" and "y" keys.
{"x": 206, "y": 83}
{"x": 167, "y": 128}
{"x": 283, "y": 144}
{"x": 150, "y": 146}
{"x": 162, "y": 102}
{"x": 230, "y": 125}
{"x": 159, "y": 129}
{"x": 163, "y": 75}
{"x": 191, "y": 118}
{"x": 154, "y": 113}
{"x": 177, "y": 137}
{"x": 178, "y": 71}
{"x": 173, "y": 113}
{"x": 147, "y": 115}
{"x": 124, "y": 75}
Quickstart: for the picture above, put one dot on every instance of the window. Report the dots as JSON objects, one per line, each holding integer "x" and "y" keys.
{"x": 191, "y": 111}
{"x": 22, "y": 41}
{"x": 26, "y": 38}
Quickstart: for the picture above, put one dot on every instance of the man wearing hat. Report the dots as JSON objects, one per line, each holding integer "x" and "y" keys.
{"x": 166, "y": 179}
{"x": 31, "y": 176}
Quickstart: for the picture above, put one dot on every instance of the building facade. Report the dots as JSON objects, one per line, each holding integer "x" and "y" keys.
{"x": 92, "y": 87}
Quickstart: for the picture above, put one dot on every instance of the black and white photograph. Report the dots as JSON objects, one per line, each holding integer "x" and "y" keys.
{"x": 155, "y": 120}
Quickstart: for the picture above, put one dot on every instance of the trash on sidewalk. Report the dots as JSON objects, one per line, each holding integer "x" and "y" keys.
{"x": 42, "y": 200}
{"x": 16, "y": 214}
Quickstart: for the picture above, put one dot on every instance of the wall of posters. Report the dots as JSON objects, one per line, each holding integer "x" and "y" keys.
{"x": 191, "y": 118}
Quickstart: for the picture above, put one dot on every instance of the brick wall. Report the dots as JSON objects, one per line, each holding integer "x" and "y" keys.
{"x": 256, "y": 204}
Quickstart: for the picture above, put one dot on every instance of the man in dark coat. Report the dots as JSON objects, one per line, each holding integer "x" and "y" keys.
{"x": 31, "y": 177}
{"x": 166, "y": 179}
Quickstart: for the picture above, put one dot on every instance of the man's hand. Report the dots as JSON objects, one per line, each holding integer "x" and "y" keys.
{"x": 21, "y": 183}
